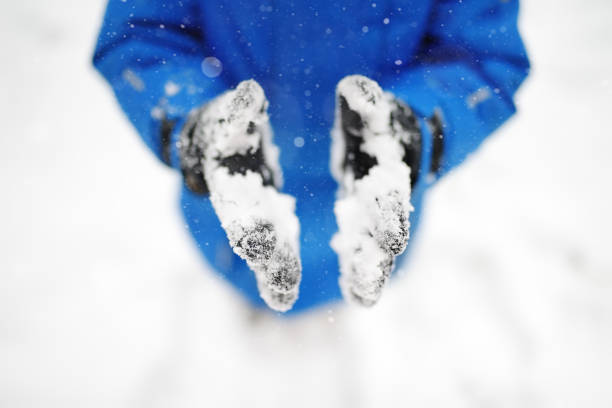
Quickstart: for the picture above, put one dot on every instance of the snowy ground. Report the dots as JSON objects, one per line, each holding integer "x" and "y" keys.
{"x": 104, "y": 303}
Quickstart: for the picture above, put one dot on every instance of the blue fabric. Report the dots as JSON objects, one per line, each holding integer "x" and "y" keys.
{"x": 465, "y": 58}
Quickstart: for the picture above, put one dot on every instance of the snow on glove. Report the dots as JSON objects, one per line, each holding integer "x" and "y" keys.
{"x": 227, "y": 150}
{"x": 376, "y": 144}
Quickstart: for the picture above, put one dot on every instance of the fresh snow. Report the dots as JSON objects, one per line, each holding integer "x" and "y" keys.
{"x": 106, "y": 302}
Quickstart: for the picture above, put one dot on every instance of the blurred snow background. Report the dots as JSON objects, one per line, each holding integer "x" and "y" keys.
{"x": 104, "y": 301}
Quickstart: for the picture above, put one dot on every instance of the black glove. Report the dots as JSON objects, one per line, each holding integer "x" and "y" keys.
{"x": 227, "y": 151}
{"x": 376, "y": 157}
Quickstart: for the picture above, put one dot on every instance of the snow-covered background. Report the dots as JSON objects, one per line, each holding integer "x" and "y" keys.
{"x": 104, "y": 301}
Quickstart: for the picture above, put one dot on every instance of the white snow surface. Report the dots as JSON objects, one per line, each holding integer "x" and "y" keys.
{"x": 105, "y": 301}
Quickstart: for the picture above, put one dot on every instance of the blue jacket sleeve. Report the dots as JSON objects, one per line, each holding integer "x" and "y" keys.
{"x": 151, "y": 53}
{"x": 470, "y": 63}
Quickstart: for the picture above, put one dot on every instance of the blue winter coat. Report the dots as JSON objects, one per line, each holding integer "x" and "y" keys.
{"x": 464, "y": 57}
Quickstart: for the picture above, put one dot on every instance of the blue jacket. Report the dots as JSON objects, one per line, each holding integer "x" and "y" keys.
{"x": 464, "y": 57}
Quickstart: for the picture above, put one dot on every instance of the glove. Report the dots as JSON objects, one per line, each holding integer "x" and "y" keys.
{"x": 227, "y": 151}
{"x": 376, "y": 153}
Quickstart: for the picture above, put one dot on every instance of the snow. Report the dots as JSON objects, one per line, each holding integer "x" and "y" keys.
{"x": 104, "y": 302}
{"x": 212, "y": 67}
{"x": 370, "y": 220}
{"x": 226, "y": 119}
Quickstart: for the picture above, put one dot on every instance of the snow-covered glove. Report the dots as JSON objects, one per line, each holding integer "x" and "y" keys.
{"x": 376, "y": 153}
{"x": 226, "y": 149}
